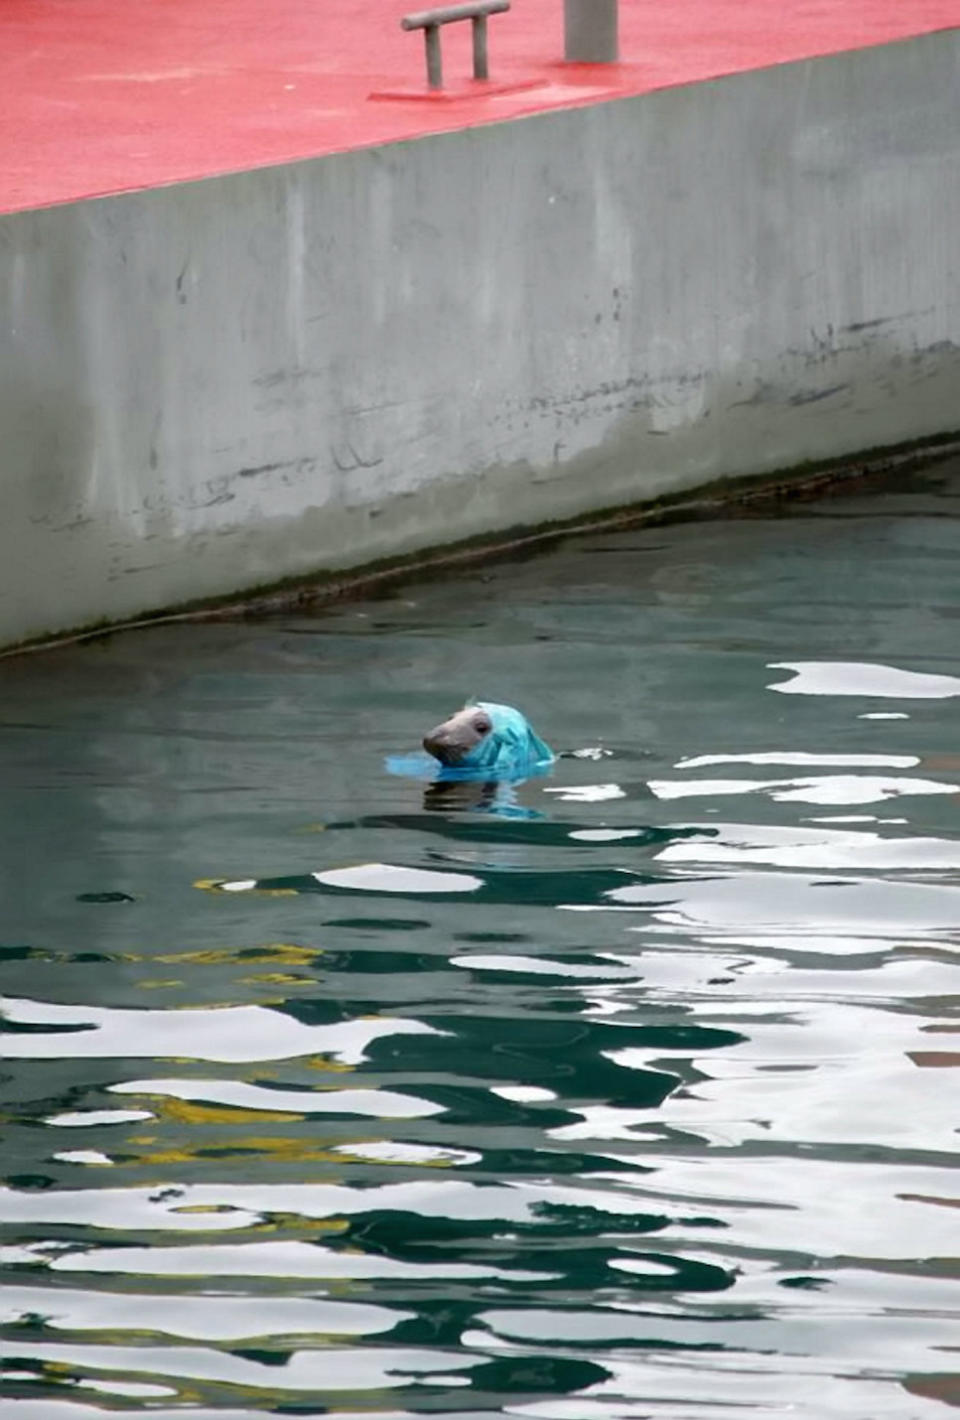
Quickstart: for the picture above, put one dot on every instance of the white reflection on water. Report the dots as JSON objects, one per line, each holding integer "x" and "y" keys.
{"x": 817, "y": 789}
{"x": 384, "y": 1104}
{"x": 901, "y": 1340}
{"x": 801, "y": 757}
{"x": 823, "y": 1072}
{"x": 760, "y": 967}
{"x": 109, "y": 1386}
{"x": 225, "y": 1206}
{"x": 537, "y": 966}
{"x": 686, "y": 1386}
{"x": 862, "y": 678}
{"x": 28, "y": 1409}
{"x": 84, "y": 1118}
{"x": 795, "y": 905}
{"x": 275, "y": 1259}
{"x": 394, "y": 1151}
{"x": 226, "y": 1034}
{"x": 327, "y": 1368}
{"x": 196, "y": 1317}
{"x": 523, "y": 1094}
{"x": 84, "y": 1156}
{"x": 586, "y": 793}
{"x": 798, "y": 1203}
{"x": 377, "y": 877}
{"x": 829, "y": 848}
{"x": 389, "y": 877}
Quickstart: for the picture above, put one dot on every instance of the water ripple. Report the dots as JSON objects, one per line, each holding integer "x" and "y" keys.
{"x": 329, "y": 1091}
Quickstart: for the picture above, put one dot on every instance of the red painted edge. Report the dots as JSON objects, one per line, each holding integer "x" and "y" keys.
{"x": 104, "y": 96}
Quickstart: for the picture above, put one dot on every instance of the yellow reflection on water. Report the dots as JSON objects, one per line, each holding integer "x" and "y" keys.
{"x": 217, "y": 885}
{"x": 278, "y": 978}
{"x": 321, "y": 1062}
{"x": 189, "y": 1112}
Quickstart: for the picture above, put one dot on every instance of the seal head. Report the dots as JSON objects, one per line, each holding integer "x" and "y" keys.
{"x": 488, "y": 740}
{"x": 453, "y": 740}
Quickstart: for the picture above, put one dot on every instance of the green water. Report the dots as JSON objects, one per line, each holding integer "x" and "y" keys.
{"x": 325, "y": 1092}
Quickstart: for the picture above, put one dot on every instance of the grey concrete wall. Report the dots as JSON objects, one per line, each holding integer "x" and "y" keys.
{"x": 207, "y": 388}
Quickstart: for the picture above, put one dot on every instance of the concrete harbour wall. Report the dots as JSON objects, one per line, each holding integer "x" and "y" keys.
{"x": 211, "y": 387}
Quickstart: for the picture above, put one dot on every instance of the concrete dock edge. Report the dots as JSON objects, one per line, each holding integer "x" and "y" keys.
{"x": 217, "y": 386}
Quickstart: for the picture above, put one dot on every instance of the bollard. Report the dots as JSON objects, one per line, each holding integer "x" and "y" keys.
{"x": 430, "y": 21}
{"x": 431, "y": 41}
{"x": 481, "y": 63}
{"x": 590, "y": 31}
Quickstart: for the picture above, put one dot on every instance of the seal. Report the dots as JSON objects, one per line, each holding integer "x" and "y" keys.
{"x": 489, "y": 741}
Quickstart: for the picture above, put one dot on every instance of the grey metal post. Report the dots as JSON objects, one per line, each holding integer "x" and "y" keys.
{"x": 431, "y": 40}
{"x": 590, "y": 31}
{"x": 481, "y": 68}
{"x": 430, "y": 21}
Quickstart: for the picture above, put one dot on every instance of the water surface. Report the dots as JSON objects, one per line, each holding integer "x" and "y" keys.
{"x": 626, "y": 1095}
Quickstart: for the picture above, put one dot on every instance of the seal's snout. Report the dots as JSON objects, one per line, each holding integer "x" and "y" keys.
{"x": 455, "y": 738}
{"x": 437, "y": 746}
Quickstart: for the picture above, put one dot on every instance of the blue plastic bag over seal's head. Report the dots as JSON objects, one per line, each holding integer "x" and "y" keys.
{"x": 488, "y": 741}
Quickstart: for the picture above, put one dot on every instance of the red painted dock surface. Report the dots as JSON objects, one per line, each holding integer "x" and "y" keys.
{"x": 101, "y": 96}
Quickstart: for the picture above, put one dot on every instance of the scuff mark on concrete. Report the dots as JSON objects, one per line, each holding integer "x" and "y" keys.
{"x": 814, "y": 396}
